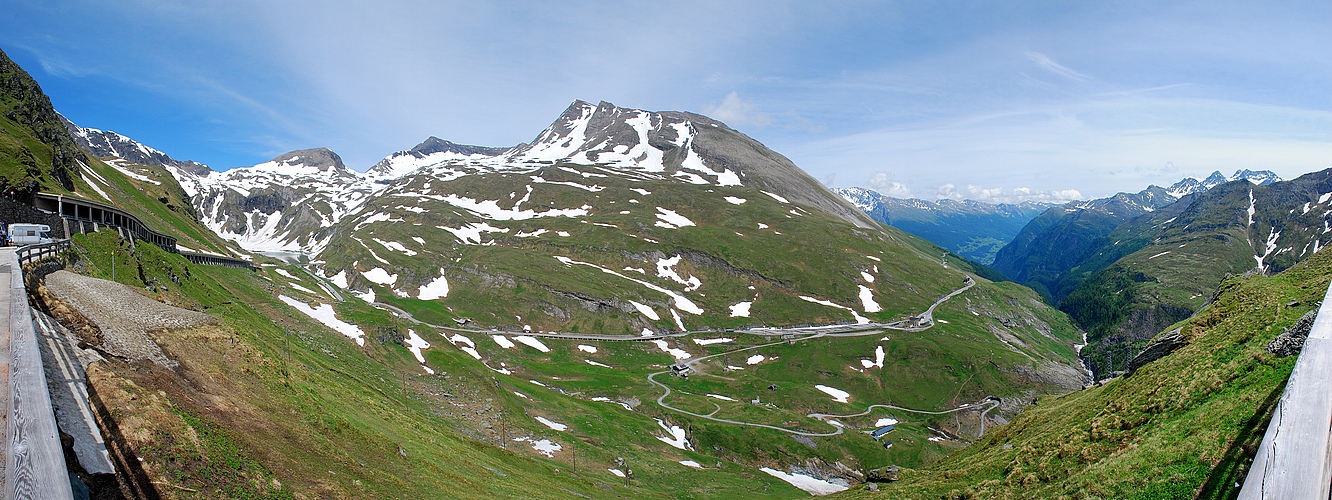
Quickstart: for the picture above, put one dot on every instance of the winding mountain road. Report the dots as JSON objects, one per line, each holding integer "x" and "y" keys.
{"x": 925, "y": 321}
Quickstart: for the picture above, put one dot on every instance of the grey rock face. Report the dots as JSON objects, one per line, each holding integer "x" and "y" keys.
{"x": 1291, "y": 340}
{"x": 1162, "y": 346}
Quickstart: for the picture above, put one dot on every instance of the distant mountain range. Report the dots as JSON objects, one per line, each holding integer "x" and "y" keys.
{"x": 1062, "y": 238}
{"x": 972, "y": 229}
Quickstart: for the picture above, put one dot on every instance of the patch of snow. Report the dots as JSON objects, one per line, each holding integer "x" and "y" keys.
{"x": 552, "y": 424}
{"x": 587, "y": 348}
{"x": 672, "y": 219}
{"x": 869, "y": 278}
{"x": 532, "y": 342}
{"x": 470, "y": 234}
{"x": 859, "y": 319}
{"x": 641, "y": 191}
{"x": 324, "y": 314}
{"x": 721, "y": 397}
{"x": 645, "y": 310}
{"x": 885, "y": 421}
{"x": 776, "y": 196}
{"x": 415, "y": 344}
{"x": 691, "y": 463}
{"x": 678, "y": 322}
{"x": 762, "y": 225}
{"x": 809, "y": 484}
{"x": 594, "y": 363}
{"x": 838, "y": 395}
{"x": 301, "y": 288}
{"x": 675, "y": 352}
{"x": 740, "y": 309}
{"x": 380, "y": 276}
{"x": 681, "y": 302}
{"x": 666, "y": 269}
{"x": 521, "y": 395}
{"x": 546, "y": 447}
{"x": 755, "y": 359}
{"x": 867, "y": 300}
{"x": 616, "y": 472}
{"x": 435, "y": 289}
{"x": 1158, "y": 255}
{"x": 677, "y": 436}
{"x": 502, "y": 341}
{"x": 721, "y": 340}
{"x": 734, "y": 201}
{"x": 1252, "y": 207}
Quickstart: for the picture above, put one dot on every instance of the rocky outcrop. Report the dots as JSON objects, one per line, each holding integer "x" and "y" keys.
{"x": 883, "y": 475}
{"x": 1292, "y": 339}
{"x": 1159, "y": 348}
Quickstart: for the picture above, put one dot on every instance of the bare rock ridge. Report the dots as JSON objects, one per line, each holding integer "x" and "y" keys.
{"x": 108, "y": 144}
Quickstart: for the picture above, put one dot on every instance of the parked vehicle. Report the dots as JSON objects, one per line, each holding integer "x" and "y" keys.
{"x": 29, "y": 234}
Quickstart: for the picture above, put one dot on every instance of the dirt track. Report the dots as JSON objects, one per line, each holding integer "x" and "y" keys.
{"x": 124, "y": 316}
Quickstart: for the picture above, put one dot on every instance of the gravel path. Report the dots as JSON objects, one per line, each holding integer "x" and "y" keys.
{"x": 124, "y": 316}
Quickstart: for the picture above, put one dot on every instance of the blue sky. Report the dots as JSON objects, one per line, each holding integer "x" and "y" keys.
{"x": 999, "y": 101}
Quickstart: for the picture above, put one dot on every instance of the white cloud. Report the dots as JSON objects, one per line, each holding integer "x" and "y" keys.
{"x": 1050, "y": 65}
{"x": 734, "y": 111}
{"x": 885, "y": 185}
{"x": 1001, "y": 195}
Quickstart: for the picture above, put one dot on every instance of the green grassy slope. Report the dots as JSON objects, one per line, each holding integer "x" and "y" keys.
{"x": 1183, "y": 426}
{"x": 36, "y": 153}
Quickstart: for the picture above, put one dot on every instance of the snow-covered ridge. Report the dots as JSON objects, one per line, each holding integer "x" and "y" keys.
{"x": 1190, "y": 185}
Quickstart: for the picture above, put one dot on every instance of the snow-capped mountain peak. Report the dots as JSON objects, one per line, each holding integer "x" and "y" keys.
{"x": 305, "y": 162}
{"x": 108, "y": 144}
{"x": 432, "y": 151}
{"x": 1189, "y": 185}
{"x": 637, "y": 142}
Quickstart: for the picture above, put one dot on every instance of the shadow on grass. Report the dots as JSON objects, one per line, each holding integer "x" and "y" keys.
{"x": 1237, "y": 459}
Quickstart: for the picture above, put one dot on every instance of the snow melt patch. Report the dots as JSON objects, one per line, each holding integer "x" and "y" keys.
{"x": 380, "y": 276}
{"x": 681, "y": 302}
{"x": 722, "y": 340}
{"x": 532, "y": 342}
{"x": 552, "y": 424}
{"x": 646, "y": 311}
{"x": 691, "y": 463}
{"x": 415, "y": 344}
{"x": 859, "y": 319}
{"x": 594, "y": 363}
{"x": 721, "y": 397}
{"x": 546, "y": 447}
{"x": 502, "y": 341}
{"x": 878, "y": 359}
{"x": 677, "y": 436}
{"x": 672, "y": 220}
{"x": 740, "y": 309}
{"x": 735, "y": 201}
{"x": 666, "y": 269}
{"x": 809, "y": 484}
{"x": 867, "y": 300}
{"x": 838, "y": 395}
{"x": 776, "y": 196}
{"x": 885, "y": 421}
{"x": 587, "y": 348}
{"x": 675, "y": 352}
{"x": 435, "y": 289}
{"x": 755, "y": 359}
{"x": 324, "y": 314}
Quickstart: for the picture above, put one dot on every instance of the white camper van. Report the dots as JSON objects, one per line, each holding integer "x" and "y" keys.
{"x": 29, "y": 234}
